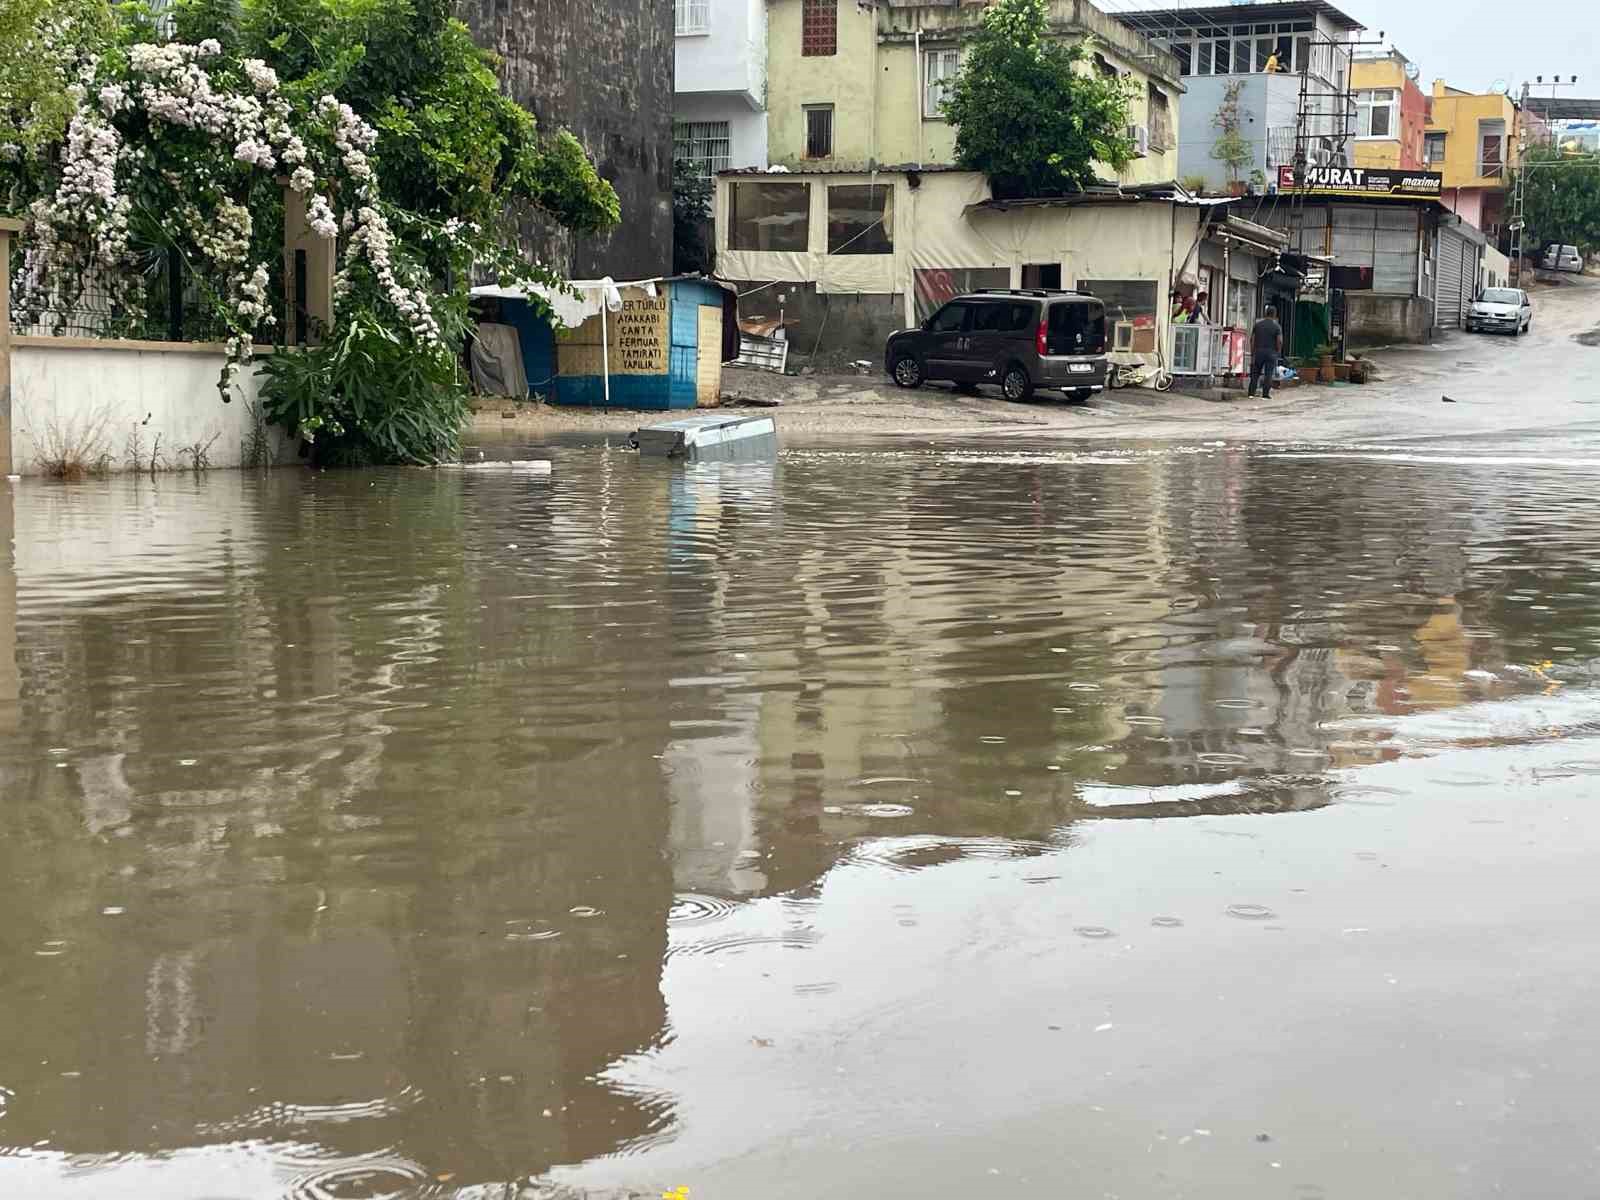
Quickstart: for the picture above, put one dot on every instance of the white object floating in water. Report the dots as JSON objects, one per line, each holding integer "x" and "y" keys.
{"x": 13, "y": 478}
{"x": 525, "y": 466}
{"x": 709, "y": 436}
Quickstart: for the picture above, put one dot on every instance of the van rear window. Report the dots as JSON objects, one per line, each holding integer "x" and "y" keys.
{"x": 1077, "y": 328}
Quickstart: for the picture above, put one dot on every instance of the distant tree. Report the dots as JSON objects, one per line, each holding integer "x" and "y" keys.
{"x": 42, "y": 43}
{"x": 1561, "y": 202}
{"x": 1029, "y": 110}
{"x": 691, "y": 218}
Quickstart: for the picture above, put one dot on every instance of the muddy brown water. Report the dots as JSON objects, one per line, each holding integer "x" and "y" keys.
{"x": 1136, "y": 822}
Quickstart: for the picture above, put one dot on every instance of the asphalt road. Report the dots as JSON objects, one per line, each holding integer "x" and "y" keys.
{"x": 1543, "y": 386}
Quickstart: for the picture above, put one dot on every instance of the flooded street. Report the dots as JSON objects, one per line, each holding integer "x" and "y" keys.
{"x": 1132, "y": 820}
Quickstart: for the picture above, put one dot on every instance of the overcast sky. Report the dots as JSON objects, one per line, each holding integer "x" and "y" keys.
{"x": 1478, "y": 46}
{"x": 1475, "y": 45}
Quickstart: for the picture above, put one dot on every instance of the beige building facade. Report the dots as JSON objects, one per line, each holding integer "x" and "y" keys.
{"x": 853, "y": 87}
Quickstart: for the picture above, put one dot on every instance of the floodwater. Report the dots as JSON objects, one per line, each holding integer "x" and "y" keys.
{"x": 1178, "y": 821}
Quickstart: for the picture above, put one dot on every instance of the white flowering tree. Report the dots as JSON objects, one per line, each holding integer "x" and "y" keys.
{"x": 181, "y": 149}
{"x": 174, "y": 137}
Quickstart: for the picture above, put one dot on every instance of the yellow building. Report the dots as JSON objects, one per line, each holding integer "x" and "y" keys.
{"x": 1472, "y": 139}
{"x": 854, "y": 86}
{"x": 1390, "y": 112}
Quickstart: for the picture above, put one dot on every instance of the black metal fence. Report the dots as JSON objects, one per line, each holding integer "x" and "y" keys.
{"x": 159, "y": 300}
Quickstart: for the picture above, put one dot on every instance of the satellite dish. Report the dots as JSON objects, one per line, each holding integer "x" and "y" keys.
{"x": 1413, "y": 71}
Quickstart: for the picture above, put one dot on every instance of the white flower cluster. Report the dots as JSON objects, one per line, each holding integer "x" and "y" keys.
{"x": 369, "y": 235}
{"x": 84, "y": 226}
{"x": 82, "y": 231}
{"x": 319, "y": 215}
{"x": 113, "y": 99}
{"x": 262, "y": 77}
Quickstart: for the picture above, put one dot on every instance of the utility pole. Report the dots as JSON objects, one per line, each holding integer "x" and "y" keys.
{"x": 1519, "y": 187}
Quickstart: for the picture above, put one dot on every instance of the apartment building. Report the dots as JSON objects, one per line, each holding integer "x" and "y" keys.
{"x": 719, "y": 103}
{"x": 1271, "y": 59}
{"x": 1471, "y": 138}
{"x": 853, "y": 86}
{"x": 1391, "y": 111}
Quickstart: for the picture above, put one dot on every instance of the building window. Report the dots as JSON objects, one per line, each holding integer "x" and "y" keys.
{"x": 939, "y": 68}
{"x": 861, "y": 219}
{"x": 769, "y": 216}
{"x": 702, "y": 144}
{"x": 692, "y": 16}
{"x": 819, "y": 130}
{"x": 1432, "y": 148}
{"x": 1375, "y": 113}
{"x": 1105, "y": 66}
{"x": 1491, "y": 149}
{"x": 1159, "y": 116}
{"x": 819, "y": 27}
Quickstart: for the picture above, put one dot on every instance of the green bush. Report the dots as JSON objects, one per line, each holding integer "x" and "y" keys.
{"x": 367, "y": 395}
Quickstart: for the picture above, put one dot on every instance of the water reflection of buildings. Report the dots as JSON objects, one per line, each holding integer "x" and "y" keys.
{"x": 266, "y": 869}
{"x": 344, "y": 750}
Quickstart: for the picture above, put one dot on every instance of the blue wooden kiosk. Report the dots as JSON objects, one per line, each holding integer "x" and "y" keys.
{"x": 646, "y": 344}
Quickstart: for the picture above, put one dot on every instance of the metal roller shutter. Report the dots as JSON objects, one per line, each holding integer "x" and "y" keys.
{"x": 1394, "y": 251}
{"x": 1452, "y": 288}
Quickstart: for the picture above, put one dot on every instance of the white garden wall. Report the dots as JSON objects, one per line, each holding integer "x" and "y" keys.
{"x": 93, "y": 394}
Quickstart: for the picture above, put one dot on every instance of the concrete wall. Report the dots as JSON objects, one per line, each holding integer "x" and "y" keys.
{"x": 1494, "y": 269}
{"x": 847, "y": 80}
{"x": 747, "y": 127}
{"x": 729, "y": 59}
{"x": 1467, "y": 203}
{"x": 94, "y": 396}
{"x": 1267, "y": 103}
{"x": 826, "y": 329}
{"x": 1374, "y": 320}
{"x": 604, "y": 71}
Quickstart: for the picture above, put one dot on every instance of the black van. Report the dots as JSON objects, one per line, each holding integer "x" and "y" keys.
{"x": 1020, "y": 339}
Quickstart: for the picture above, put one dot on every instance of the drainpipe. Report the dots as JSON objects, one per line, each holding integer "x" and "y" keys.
{"x": 1227, "y": 275}
{"x": 605, "y": 345}
{"x": 916, "y": 42}
{"x": 872, "y": 146}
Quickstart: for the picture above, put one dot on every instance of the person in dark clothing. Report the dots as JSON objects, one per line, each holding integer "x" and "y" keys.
{"x": 1266, "y": 344}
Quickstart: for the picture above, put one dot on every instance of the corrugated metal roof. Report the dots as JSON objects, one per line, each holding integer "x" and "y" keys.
{"x": 832, "y": 169}
{"x": 1183, "y": 200}
{"x": 1148, "y": 21}
{"x": 1564, "y": 108}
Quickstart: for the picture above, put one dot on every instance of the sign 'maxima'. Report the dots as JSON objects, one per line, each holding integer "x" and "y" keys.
{"x": 1362, "y": 181}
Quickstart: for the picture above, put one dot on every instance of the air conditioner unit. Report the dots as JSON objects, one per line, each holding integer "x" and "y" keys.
{"x": 1139, "y": 135}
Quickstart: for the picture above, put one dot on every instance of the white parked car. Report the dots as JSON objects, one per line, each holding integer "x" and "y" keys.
{"x": 1562, "y": 258}
{"x": 1505, "y": 309}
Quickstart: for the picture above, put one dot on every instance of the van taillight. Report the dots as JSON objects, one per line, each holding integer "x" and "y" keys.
{"x": 1041, "y": 339}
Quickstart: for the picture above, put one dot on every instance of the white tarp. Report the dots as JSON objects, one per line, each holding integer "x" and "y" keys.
{"x": 573, "y": 310}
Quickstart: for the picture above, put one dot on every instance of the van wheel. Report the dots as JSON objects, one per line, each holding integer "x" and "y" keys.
{"x": 907, "y": 371}
{"x": 1015, "y": 383}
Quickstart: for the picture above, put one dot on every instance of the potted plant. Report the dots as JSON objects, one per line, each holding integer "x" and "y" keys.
{"x": 1230, "y": 148}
